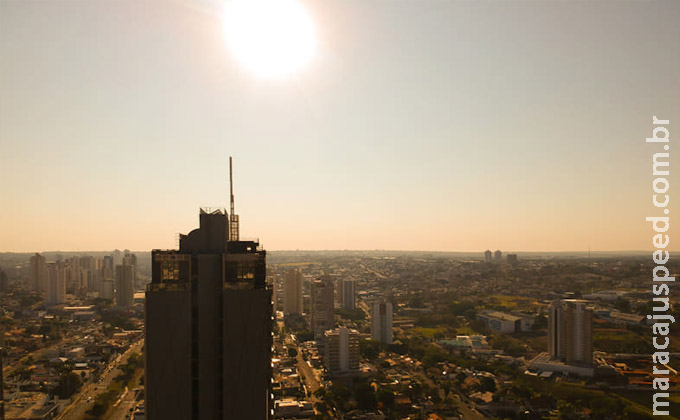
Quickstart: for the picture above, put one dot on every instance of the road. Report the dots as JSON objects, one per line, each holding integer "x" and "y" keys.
{"x": 85, "y": 398}
{"x": 311, "y": 380}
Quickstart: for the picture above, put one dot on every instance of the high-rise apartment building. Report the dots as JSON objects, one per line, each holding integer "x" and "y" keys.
{"x": 381, "y": 322}
{"x": 125, "y": 279}
{"x": 570, "y": 331}
{"x": 498, "y": 256}
{"x": 107, "y": 289}
{"x": 39, "y": 273}
{"x": 56, "y": 283}
{"x": 487, "y": 255}
{"x": 292, "y": 292}
{"x": 348, "y": 294}
{"x": 106, "y": 276}
{"x": 322, "y": 301}
{"x": 342, "y": 350}
{"x": 209, "y": 327}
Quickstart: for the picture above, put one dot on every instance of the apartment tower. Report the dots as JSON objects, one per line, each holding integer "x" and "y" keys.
{"x": 570, "y": 331}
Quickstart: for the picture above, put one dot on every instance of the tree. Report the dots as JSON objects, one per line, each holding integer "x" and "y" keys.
{"x": 365, "y": 397}
{"x": 369, "y": 348}
{"x": 69, "y": 384}
{"x": 386, "y": 398}
{"x": 487, "y": 384}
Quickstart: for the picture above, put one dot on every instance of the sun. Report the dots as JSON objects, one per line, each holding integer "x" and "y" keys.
{"x": 271, "y": 38}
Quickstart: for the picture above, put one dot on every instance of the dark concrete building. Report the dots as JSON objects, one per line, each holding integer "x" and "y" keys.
{"x": 209, "y": 328}
{"x": 570, "y": 332}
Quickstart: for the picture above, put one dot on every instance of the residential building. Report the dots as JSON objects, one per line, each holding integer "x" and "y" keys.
{"x": 570, "y": 326}
{"x": 39, "y": 273}
{"x": 342, "y": 350}
{"x": 322, "y": 307}
{"x": 292, "y": 292}
{"x": 381, "y": 322}
{"x": 348, "y": 294}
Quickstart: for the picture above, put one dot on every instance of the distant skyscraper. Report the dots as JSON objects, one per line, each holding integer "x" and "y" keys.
{"x": 342, "y": 350}
{"x": 381, "y": 322}
{"x": 322, "y": 307}
{"x": 125, "y": 278}
{"x": 56, "y": 283}
{"x": 512, "y": 258}
{"x": 570, "y": 326}
{"x": 487, "y": 255}
{"x": 107, "y": 289}
{"x": 106, "y": 275}
{"x": 292, "y": 292}
{"x": 209, "y": 327}
{"x": 74, "y": 273}
{"x": 348, "y": 294}
{"x": 39, "y": 273}
{"x": 498, "y": 256}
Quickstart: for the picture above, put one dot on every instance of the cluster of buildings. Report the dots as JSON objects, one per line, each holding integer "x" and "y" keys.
{"x": 497, "y": 257}
{"x": 85, "y": 276}
{"x": 339, "y": 346}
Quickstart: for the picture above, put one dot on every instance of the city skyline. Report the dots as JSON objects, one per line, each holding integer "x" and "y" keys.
{"x": 447, "y": 128}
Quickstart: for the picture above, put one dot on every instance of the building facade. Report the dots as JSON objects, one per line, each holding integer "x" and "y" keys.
{"x": 570, "y": 332}
{"x": 322, "y": 307}
{"x": 39, "y": 273}
{"x": 56, "y": 283}
{"x": 125, "y": 280}
{"x": 292, "y": 292}
{"x": 342, "y": 350}
{"x": 209, "y": 328}
{"x": 348, "y": 294}
{"x": 381, "y": 322}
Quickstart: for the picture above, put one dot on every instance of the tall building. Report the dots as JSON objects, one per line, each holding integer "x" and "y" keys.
{"x": 209, "y": 327}
{"x": 107, "y": 289}
{"x": 74, "y": 276}
{"x": 381, "y": 322}
{"x": 487, "y": 255}
{"x": 322, "y": 307}
{"x": 106, "y": 276}
{"x": 292, "y": 292}
{"x": 39, "y": 273}
{"x": 348, "y": 294}
{"x": 342, "y": 350}
{"x": 498, "y": 256}
{"x": 570, "y": 331}
{"x": 131, "y": 259}
{"x": 125, "y": 279}
{"x": 56, "y": 283}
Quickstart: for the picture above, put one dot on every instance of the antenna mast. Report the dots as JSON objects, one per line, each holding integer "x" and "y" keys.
{"x": 233, "y": 224}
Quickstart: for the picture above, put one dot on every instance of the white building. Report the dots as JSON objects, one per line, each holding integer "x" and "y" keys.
{"x": 342, "y": 350}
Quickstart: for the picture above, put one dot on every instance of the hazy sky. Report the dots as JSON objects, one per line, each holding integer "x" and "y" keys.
{"x": 418, "y": 125}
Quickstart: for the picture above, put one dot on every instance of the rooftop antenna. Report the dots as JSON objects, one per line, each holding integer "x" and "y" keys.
{"x": 233, "y": 224}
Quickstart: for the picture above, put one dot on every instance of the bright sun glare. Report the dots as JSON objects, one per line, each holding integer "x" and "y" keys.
{"x": 271, "y": 38}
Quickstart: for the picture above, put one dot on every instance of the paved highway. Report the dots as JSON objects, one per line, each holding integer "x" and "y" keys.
{"x": 85, "y": 398}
